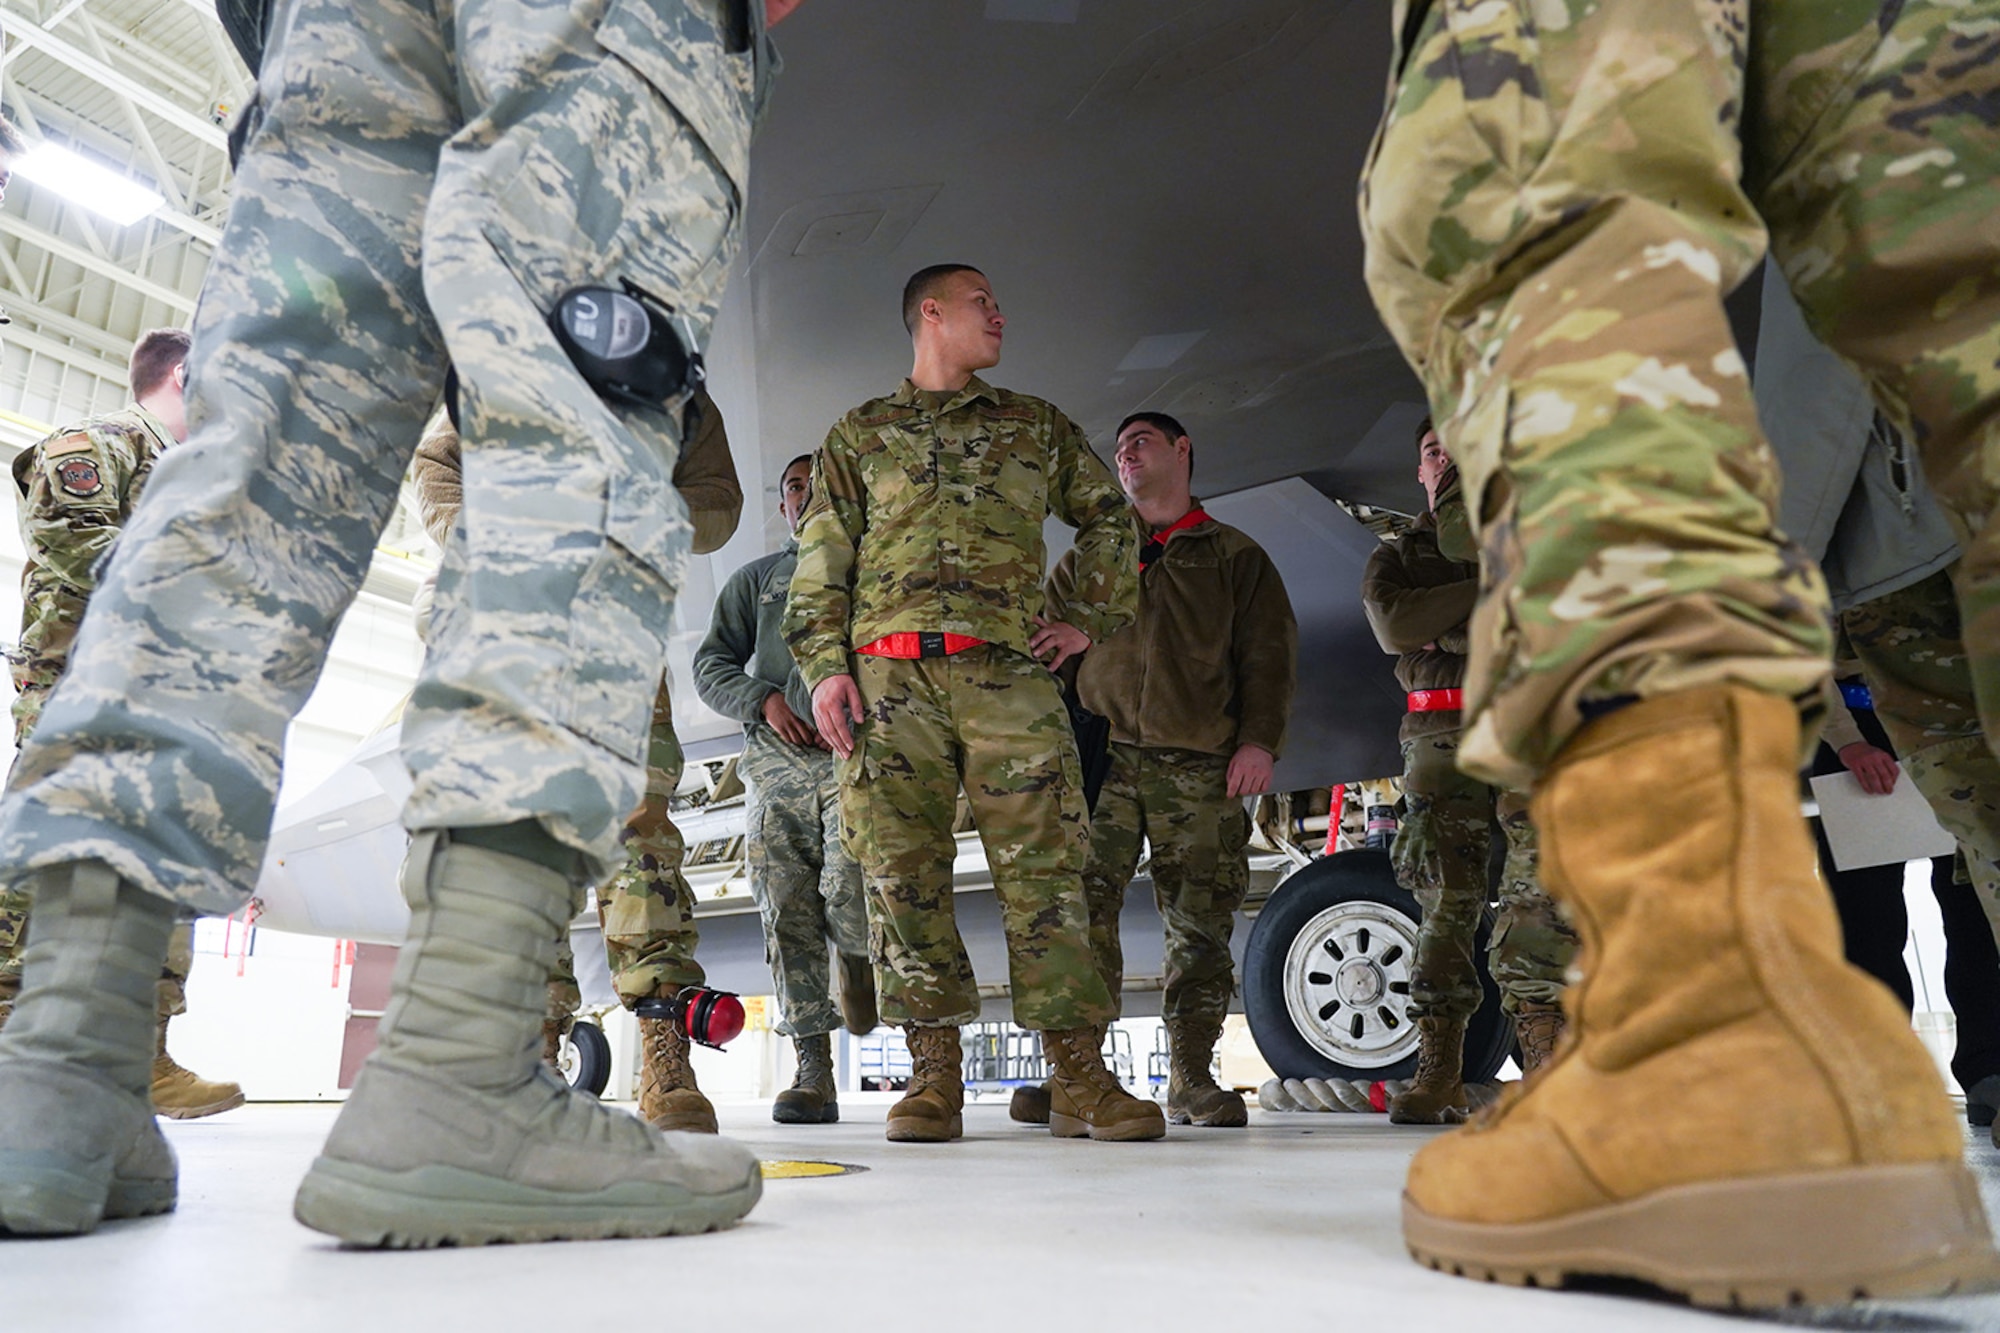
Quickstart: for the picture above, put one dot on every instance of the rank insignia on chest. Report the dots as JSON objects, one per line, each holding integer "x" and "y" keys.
{"x": 79, "y": 477}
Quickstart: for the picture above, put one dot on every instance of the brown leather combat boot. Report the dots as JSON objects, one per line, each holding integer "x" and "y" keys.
{"x": 1735, "y": 1114}
{"x": 1030, "y": 1104}
{"x": 1537, "y": 1030}
{"x": 810, "y": 1099}
{"x": 854, "y": 978}
{"x": 1086, "y": 1100}
{"x": 668, "y": 1096}
{"x": 1193, "y": 1095}
{"x": 1436, "y": 1096}
{"x": 932, "y": 1107}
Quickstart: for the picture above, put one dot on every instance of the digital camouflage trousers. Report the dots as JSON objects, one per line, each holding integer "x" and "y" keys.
{"x": 807, "y": 886}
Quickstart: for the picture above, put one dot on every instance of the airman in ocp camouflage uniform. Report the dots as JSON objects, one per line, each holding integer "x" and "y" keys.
{"x": 1418, "y": 600}
{"x": 1559, "y": 198}
{"x": 77, "y": 490}
{"x": 416, "y": 189}
{"x": 913, "y": 613}
{"x": 807, "y": 885}
{"x": 646, "y": 908}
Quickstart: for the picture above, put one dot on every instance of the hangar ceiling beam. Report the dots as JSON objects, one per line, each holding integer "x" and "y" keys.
{"x": 104, "y": 268}
{"x": 180, "y": 117}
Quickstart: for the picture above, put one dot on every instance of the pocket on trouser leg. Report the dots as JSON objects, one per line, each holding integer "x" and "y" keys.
{"x": 618, "y": 621}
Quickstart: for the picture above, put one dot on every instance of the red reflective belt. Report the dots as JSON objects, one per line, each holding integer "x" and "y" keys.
{"x": 910, "y": 644}
{"x": 1436, "y": 701}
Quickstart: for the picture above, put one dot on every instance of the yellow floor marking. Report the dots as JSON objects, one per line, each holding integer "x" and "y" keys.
{"x": 806, "y": 1170}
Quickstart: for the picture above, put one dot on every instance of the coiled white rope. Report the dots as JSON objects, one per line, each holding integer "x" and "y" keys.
{"x": 1346, "y": 1094}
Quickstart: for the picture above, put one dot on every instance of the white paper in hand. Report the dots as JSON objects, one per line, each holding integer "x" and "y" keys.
{"x": 1866, "y": 830}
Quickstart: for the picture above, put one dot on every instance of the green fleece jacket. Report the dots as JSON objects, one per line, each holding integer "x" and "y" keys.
{"x": 1212, "y": 659}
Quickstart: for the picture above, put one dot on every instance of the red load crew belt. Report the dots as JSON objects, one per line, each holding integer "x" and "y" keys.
{"x": 912, "y": 644}
{"x": 1436, "y": 701}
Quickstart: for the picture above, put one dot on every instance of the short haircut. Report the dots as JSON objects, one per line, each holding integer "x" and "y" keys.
{"x": 807, "y": 459}
{"x": 1425, "y": 427}
{"x": 1166, "y": 425}
{"x": 154, "y": 357}
{"x": 922, "y": 286}
{"x": 11, "y": 142}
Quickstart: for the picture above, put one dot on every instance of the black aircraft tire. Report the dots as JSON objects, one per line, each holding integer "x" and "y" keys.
{"x": 592, "y": 1051}
{"x": 1309, "y": 1028}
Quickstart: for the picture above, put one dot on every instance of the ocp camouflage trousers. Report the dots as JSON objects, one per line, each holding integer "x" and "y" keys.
{"x": 1176, "y": 802}
{"x": 807, "y": 886}
{"x": 646, "y": 909}
{"x": 992, "y": 721}
{"x": 424, "y": 182}
{"x": 1560, "y": 196}
{"x": 1442, "y": 853}
{"x": 1919, "y": 677}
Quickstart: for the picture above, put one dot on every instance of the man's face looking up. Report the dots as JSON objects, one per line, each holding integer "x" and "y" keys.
{"x": 793, "y": 489}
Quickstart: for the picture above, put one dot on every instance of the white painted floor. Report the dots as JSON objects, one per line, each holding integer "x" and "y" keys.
{"x": 1289, "y": 1225}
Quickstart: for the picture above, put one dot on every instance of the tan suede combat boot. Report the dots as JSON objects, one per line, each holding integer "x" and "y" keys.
{"x": 180, "y": 1094}
{"x": 855, "y": 980}
{"x": 1086, "y": 1100}
{"x": 1436, "y": 1096}
{"x": 1538, "y": 1028}
{"x": 668, "y": 1097}
{"x": 1736, "y": 1114}
{"x": 1193, "y": 1095}
{"x": 931, "y": 1110}
{"x": 811, "y": 1098}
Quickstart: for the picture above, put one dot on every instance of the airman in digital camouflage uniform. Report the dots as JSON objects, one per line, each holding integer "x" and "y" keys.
{"x": 914, "y": 617}
{"x": 1418, "y": 601}
{"x": 807, "y": 885}
{"x": 411, "y": 193}
{"x": 1559, "y": 198}
{"x": 77, "y": 489}
{"x": 1197, "y": 692}
{"x": 646, "y": 909}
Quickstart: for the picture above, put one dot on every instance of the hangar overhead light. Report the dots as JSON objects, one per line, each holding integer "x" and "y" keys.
{"x": 82, "y": 181}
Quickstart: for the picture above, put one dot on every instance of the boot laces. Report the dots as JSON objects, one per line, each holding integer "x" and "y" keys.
{"x": 666, "y": 1054}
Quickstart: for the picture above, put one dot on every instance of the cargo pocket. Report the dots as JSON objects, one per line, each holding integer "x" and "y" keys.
{"x": 618, "y": 622}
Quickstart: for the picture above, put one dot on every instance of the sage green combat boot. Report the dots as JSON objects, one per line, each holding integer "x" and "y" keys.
{"x": 78, "y": 1141}
{"x": 1086, "y": 1100}
{"x": 1436, "y": 1096}
{"x": 931, "y": 1110}
{"x": 1193, "y": 1095}
{"x": 810, "y": 1099}
{"x": 668, "y": 1095}
{"x": 456, "y": 1133}
{"x": 180, "y": 1094}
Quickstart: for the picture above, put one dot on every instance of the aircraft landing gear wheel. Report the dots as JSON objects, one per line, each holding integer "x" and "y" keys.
{"x": 586, "y": 1058}
{"x": 1326, "y": 977}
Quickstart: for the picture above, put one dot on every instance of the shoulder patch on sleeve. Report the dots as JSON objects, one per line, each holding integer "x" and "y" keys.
{"x": 76, "y": 475}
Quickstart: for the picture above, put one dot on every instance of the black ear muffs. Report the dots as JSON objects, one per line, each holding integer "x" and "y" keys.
{"x": 629, "y": 346}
